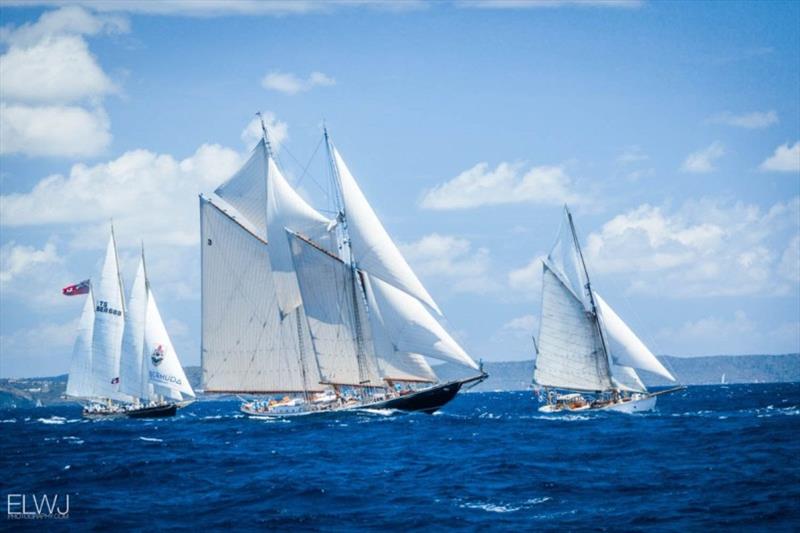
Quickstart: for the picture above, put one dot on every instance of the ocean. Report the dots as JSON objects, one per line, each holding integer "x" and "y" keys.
{"x": 709, "y": 457}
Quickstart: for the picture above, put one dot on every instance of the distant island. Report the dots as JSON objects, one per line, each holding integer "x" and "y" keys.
{"x": 503, "y": 376}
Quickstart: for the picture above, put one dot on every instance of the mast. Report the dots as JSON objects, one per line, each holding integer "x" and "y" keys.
{"x": 591, "y": 295}
{"x": 119, "y": 276}
{"x": 356, "y": 283}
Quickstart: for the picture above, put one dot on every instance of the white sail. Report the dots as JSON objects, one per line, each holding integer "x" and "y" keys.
{"x": 625, "y": 347}
{"x": 412, "y": 328}
{"x": 336, "y": 316}
{"x": 79, "y": 382}
{"x": 132, "y": 378}
{"x": 626, "y": 378}
{"x": 286, "y": 209}
{"x": 164, "y": 368}
{"x": 247, "y": 346}
{"x": 109, "y": 323}
{"x": 374, "y": 250}
{"x": 570, "y": 354}
{"x": 247, "y": 190}
{"x": 394, "y": 365}
{"x": 564, "y": 258}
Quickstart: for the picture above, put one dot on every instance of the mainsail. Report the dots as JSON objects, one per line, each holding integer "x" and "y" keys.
{"x": 248, "y": 345}
{"x": 132, "y": 375}
{"x": 109, "y": 323}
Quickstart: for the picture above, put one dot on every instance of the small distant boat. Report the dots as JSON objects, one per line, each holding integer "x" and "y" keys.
{"x": 722, "y": 379}
{"x": 586, "y": 356}
{"x": 123, "y": 363}
{"x": 307, "y": 314}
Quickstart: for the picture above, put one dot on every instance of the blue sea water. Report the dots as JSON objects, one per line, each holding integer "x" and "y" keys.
{"x": 718, "y": 457}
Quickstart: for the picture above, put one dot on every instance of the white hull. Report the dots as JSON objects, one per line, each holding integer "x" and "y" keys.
{"x": 630, "y": 406}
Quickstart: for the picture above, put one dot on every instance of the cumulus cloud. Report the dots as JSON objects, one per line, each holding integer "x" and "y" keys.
{"x": 525, "y": 324}
{"x": 52, "y": 85}
{"x": 702, "y": 161}
{"x": 289, "y": 83}
{"x": 754, "y": 120}
{"x": 16, "y": 259}
{"x": 149, "y": 195}
{"x": 705, "y": 248}
{"x": 452, "y": 259}
{"x": 23, "y": 354}
{"x": 506, "y": 184}
{"x": 785, "y": 159}
{"x": 527, "y": 280}
{"x": 53, "y": 130}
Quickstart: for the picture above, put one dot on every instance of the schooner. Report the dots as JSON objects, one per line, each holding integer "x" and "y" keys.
{"x": 123, "y": 362}
{"x": 586, "y": 355}
{"x": 311, "y": 313}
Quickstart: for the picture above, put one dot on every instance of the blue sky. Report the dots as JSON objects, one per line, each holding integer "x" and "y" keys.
{"x": 671, "y": 128}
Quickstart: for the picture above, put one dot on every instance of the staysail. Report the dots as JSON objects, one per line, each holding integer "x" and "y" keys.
{"x": 374, "y": 250}
{"x": 625, "y": 347}
{"x": 336, "y": 315}
{"x": 109, "y": 323}
{"x": 248, "y": 345}
{"x": 164, "y": 369}
{"x": 246, "y": 190}
{"x": 79, "y": 383}
{"x": 132, "y": 375}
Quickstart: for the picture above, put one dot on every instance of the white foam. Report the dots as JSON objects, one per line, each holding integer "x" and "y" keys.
{"x": 382, "y": 412}
{"x": 150, "y": 439}
{"x": 9, "y": 421}
{"x": 53, "y": 420}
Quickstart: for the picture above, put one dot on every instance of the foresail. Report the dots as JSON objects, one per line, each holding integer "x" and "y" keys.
{"x": 626, "y": 348}
{"x": 564, "y": 259}
{"x": 335, "y": 316}
{"x": 286, "y": 209}
{"x": 246, "y": 190}
{"x": 247, "y": 345}
{"x": 626, "y": 378}
{"x": 570, "y": 354}
{"x": 374, "y": 250}
{"x": 164, "y": 368}
{"x": 132, "y": 378}
{"x": 109, "y": 323}
{"x": 394, "y": 365}
{"x": 412, "y": 328}
{"x": 79, "y": 382}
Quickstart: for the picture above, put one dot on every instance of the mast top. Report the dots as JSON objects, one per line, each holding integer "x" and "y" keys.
{"x": 264, "y": 133}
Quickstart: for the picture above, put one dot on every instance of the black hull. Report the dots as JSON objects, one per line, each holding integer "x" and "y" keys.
{"x": 159, "y": 411}
{"x": 428, "y": 400}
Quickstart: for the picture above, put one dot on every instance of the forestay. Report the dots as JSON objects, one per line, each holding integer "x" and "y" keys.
{"x": 571, "y": 354}
{"x": 373, "y": 249}
{"x": 247, "y": 345}
{"x": 336, "y": 316}
{"x": 412, "y": 328}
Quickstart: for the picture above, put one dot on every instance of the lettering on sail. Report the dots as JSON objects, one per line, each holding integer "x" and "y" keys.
{"x": 103, "y": 307}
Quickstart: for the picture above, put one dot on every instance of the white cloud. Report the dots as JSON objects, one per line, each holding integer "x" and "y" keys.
{"x": 23, "y": 354}
{"x": 739, "y": 334}
{"x": 53, "y": 130}
{"x": 754, "y": 120}
{"x": 534, "y": 4}
{"x": 506, "y": 184}
{"x": 52, "y": 86}
{"x": 789, "y": 266}
{"x": 632, "y": 154}
{"x": 57, "y": 69}
{"x": 151, "y": 196}
{"x": 452, "y": 259}
{"x": 785, "y": 159}
{"x": 215, "y": 8}
{"x": 16, "y": 259}
{"x": 705, "y": 248}
{"x": 525, "y": 324}
{"x": 702, "y": 161}
{"x": 288, "y": 83}
{"x": 527, "y": 280}
{"x": 278, "y": 131}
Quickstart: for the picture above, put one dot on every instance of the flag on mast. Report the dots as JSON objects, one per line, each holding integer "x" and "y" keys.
{"x": 78, "y": 288}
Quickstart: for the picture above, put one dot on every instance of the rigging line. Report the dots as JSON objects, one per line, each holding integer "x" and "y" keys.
{"x": 310, "y": 159}
{"x": 305, "y": 168}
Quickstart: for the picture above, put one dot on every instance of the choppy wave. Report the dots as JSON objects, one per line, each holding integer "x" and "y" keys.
{"x": 712, "y": 458}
